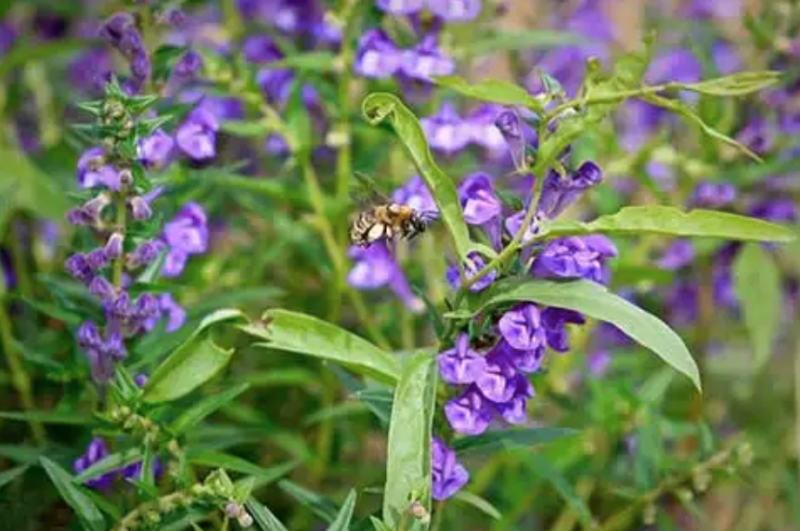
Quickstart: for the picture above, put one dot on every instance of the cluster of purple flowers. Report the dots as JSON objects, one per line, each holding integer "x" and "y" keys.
{"x": 450, "y": 133}
{"x": 121, "y": 33}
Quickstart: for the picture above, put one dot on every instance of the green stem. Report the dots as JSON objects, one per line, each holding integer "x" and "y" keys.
{"x": 119, "y": 263}
{"x": 326, "y": 428}
{"x": 21, "y": 267}
{"x": 344, "y": 160}
{"x": 611, "y": 98}
{"x": 19, "y": 377}
{"x": 438, "y": 515}
{"x": 797, "y": 399}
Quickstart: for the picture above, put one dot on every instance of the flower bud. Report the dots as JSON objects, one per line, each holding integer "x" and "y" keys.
{"x": 244, "y": 519}
{"x": 102, "y": 289}
{"x": 79, "y": 218}
{"x": 232, "y": 510}
{"x": 140, "y": 209}
{"x": 419, "y": 512}
{"x": 125, "y": 177}
{"x": 113, "y": 247}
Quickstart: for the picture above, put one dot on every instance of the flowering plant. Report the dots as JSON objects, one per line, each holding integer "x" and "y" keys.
{"x": 594, "y": 204}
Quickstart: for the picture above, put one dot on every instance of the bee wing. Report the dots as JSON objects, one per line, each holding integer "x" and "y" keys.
{"x": 364, "y": 192}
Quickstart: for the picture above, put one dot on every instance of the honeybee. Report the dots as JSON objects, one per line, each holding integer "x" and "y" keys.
{"x": 383, "y": 219}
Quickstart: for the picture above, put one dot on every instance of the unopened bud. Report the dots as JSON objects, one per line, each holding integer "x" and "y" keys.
{"x": 420, "y": 512}
{"x": 125, "y": 177}
{"x": 244, "y": 519}
{"x": 701, "y": 479}
{"x": 684, "y": 494}
{"x": 745, "y": 454}
{"x": 232, "y": 510}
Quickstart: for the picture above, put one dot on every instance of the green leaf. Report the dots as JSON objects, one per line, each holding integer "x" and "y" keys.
{"x": 670, "y": 221}
{"x": 543, "y": 469}
{"x": 249, "y": 128}
{"x": 7, "y": 476}
{"x": 342, "y": 522}
{"x": 408, "y": 467}
{"x": 497, "y": 440}
{"x": 678, "y": 107}
{"x": 608, "y": 93}
{"x": 193, "y": 363}
{"x": 86, "y": 510}
{"x": 380, "y": 106}
{"x": 313, "y": 61}
{"x": 379, "y": 525}
{"x": 110, "y": 463}
{"x": 596, "y": 301}
{"x": 758, "y": 285}
{"x": 320, "y": 505}
{"x": 492, "y": 90}
{"x": 511, "y": 41}
{"x": 50, "y": 417}
{"x": 195, "y": 414}
{"x": 264, "y": 517}
{"x": 21, "y": 55}
{"x": 479, "y": 503}
{"x": 737, "y": 84}
{"x": 23, "y": 186}
{"x": 304, "y": 334}
{"x": 237, "y": 464}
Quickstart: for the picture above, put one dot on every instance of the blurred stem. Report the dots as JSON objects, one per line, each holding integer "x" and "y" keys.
{"x": 19, "y": 377}
{"x": 36, "y": 78}
{"x": 438, "y": 515}
{"x": 326, "y": 428}
{"x": 232, "y": 18}
{"x": 17, "y": 251}
{"x": 119, "y": 263}
{"x": 797, "y": 400}
{"x": 344, "y": 63}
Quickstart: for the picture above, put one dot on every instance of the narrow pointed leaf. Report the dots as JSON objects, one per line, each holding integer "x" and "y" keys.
{"x": 263, "y": 517}
{"x": 408, "y": 467}
{"x": 670, "y": 221}
{"x": 195, "y": 414}
{"x": 491, "y": 90}
{"x": 342, "y": 522}
{"x": 319, "y": 505}
{"x": 110, "y": 463}
{"x": 50, "y": 417}
{"x": 193, "y": 363}
{"x": 237, "y": 464}
{"x": 493, "y": 441}
{"x": 304, "y": 334}
{"x": 543, "y": 469}
{"x": 737, "y": 84}
{"x": 7, "y": 476}
{"x": 379, "y": 525}
{"x": 758, "y": 285}
{"x": 597, "y": 302}
{"x": 379, "y": 107}
{"x": 73, "y": 494}
{"x": 479, "y": 503}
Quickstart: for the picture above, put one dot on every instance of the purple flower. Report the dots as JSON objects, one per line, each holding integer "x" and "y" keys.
{"x": 140, "y": 209}
{"x": 154, "y": 151}
{"x": 521, "y": 327}
{"x": 713, "y": 195}
{"x": 510, "y": 127}
{"x": 375, "y": 267}
{"x": 525, "y": 361}
{"x": 781, "y": 210}
{"x": 478, "y": 199}
{"x": 90, "y": 70}
{"x": 715, "y": 8}
{"x": 102, "y": 288}
{"x": 446, "y": 131}
{"x": 78, "y": 267}
{"x": 598, "y": 363}
{"x": 415, "y": 193}
{"x": 260, "y": 49}
{"x": 185, "y": 235}
{"x": 167, "y": 307}
{"x": 197, "y": 135}
{"x": 140, "y": 380}
{"x": 460, "y": 364}
{"x": 726, "y": 58}
{"x": 143, "y": 255}
{"x": 472, "y": 266}
{"x": 678, "y": 254}
{"x": 575, "y": 257}
{"x": 448, "y": 475}
{"x": 483, "y": 128}
{"x": 426, "y": 60}
{"x": 682, "y": 301}
{"x": 758, "y": 135}
{"x": 400, "y": 7}
{"x": 469, "y": 413}
{"x": 555, "y": 321}
{"x": 95, "y": 452}
{"x": 514, "y": 410}
{"x": 377, "y": 55}
{"x": 558, "y": 192}
{"x": 678, "y": 65}
{"x": 498, "y": 381}
{"x": 121, "y": 33}
{"x": 514, "y": 223}
{"x": 113, "y": 248}
{"x": 92, "y": 170}
{"x": 455, "y": 10}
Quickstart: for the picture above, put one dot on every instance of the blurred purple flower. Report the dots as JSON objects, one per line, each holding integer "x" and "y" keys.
{"x": 197, "y": 136}
{"x": 715, "y": 8}
{"x": 472, "y": 266}
{"x": 558, "y": 192}
{"x": 448, "y": 475}
{"x": 598, "y": 363}
{"x": 461, "y": 365}
{"x": 726, "y": 57}
{"x": 679, "y": 253}
{"x": 679, "y": 65}
{"x": 426, "y": 60}
{"x": 713, "y": 195}
{"x": 185, "y": 235}
{"x": 375, "y": 267}
{"x": 93, "y": 171}
{"x": 155, "y": 150}
{"x": 446, "y": 131}
{"x": 483, "y": 129}
{"x": 377, "y": 55}
{"x": 90, "y": 70}
{"x": 758, "y": 135}
{"x": 514, "y": 223}
{"x": 575, "y": 257}
{"x": 188, "y": 65}
{"x": 455, "y": 10}
{"x": 415, "y": 193}
{"x": 778, "y": 210}
{"x": 121, "y": 33}
{"x": 401, "y": 7}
